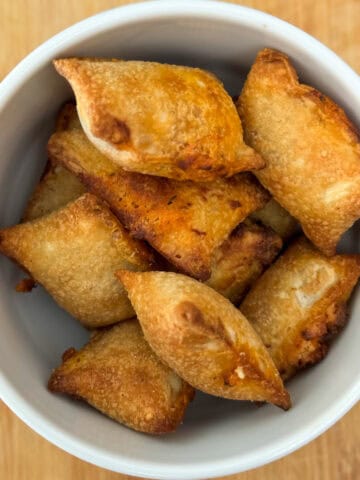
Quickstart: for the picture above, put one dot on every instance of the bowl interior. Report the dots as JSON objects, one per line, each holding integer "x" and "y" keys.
{"x": 218, "y": 436}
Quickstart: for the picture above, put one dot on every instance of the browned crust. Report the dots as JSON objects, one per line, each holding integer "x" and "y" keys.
{"x": 154, "y": 208}
{"x": 314, "y": 341}
{"x": 67, "y": 118}
{"x": 117, "y": 373}
{"x": 241, "y": 259}
{"x": 158, "y": 193}
{"x": 303, "y": 165}
{"x": 330, "y": 109}
{"x": 111, "y": 129}
{"x": 25, "y": 285}
{"x": 203, "y": 337}
{"x": 298, "y": 336}
{"x": 57, "y": 186}
{"x": 73, "y": 252}
{"x": 203, "y": 136}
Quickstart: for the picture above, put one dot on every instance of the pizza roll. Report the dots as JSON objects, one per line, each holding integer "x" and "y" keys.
{"x": 184, "y": 221}
{"x": 273, "y": 215}
{"x": 67, "y": 118}
{"x": 74, "y": 252}
{"x": 203, "y": 337}
{"x": 241, "y": 259}
{"x": 164, "y": 120}
{"x": 299, "y": 304}
{"x": 119, "y": 374}
{"x": 57, "y": 186}
{"x": 311, "y": 149}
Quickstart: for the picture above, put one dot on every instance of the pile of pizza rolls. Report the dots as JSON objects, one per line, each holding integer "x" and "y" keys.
{"x": 193, "y": 236}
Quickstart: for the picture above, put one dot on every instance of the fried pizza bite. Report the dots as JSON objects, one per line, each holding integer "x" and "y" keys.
{"x": 273, "y": 215}
{"x": 299, "y": 304}
{"x": 203, "y": 337}
{"x": 164, "y": 120}
{"x": 241, "y": 259}
{"x": 74, "y": 252}
{"x": 67, "y": 118}
{"x": 58, "y": 186}
{"x": 311, "y": 149}
{"x": 184, "y": 221}
{"x": 119, "y": 374}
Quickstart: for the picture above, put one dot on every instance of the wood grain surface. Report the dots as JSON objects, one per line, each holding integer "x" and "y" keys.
{"x": 24, "y": 455}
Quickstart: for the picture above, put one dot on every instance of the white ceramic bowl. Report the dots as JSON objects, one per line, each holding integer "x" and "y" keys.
{"x": 218, "y": 437}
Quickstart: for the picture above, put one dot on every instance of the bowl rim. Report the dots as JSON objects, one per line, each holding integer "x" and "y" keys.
{"x": 117, "y": 17}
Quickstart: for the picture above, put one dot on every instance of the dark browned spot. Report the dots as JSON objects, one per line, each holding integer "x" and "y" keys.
{"x": 111, "y": 129}
{"x": 64, "y": 118}
{"x": 148, "y": 188}
{"x": 221, "y": 170}
{"x": 307, "y": 335}
{"x": 198, "y": 232}
{"x": 25, "y": 285}
{"x": 325, "y": 330}
{"x": 316, "y": 95}
{"x": 318, "y": 338}
{"x": 337, "y": 323}
{"x": 195, "y": 264}
{"x": 185, "y": 163}
{"x": 240, "y": 230}
{"x": 190, "y": 313}
{"x": 70, "y": 352}
{"x": 234, "y": 204}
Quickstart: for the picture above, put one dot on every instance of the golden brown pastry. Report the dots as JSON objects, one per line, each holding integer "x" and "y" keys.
{"x": 241, "y": 259}
{"x": 273, "y": 215}
{"x": 311, "y": 149}
{"x": 119, "y": 374}
{"x": 67, "y": 118}
{"x": 203, "y": 337}
{"x": 74, "y": 253}
{"x": 299, "y": 304}
{"x": 58, "y": 186}
{"x": 184, "y": 221}
{"x": 165, "y": 120}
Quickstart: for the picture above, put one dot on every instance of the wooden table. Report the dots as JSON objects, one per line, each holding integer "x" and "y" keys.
{"x": 24, "y": 455}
